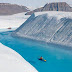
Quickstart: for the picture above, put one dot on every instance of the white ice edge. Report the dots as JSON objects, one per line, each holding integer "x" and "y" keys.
{"x": 11, "y": 61}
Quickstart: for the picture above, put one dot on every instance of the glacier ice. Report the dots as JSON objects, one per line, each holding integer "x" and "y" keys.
{"x": 53, "y": 27}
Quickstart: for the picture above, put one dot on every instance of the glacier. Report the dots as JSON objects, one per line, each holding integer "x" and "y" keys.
{"x": 50, "y": 26}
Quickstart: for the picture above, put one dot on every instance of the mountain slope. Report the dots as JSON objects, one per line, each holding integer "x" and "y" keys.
{"x": 58, "y": 6}
{"x": 36, "y": 10}
{"x": 55, "y": 27}
{"x": 9, "y": 9}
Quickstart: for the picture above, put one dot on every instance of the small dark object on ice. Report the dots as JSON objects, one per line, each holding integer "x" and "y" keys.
{"x": 9, "y": 28}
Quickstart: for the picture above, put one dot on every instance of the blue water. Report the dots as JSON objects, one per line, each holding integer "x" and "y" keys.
{"x": 58, "y": 58}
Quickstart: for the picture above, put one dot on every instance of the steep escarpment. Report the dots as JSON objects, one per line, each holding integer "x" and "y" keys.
{"x": 56, "y": 6}
{"x": 9, "y": 9}
{"x": 53, "y": 27}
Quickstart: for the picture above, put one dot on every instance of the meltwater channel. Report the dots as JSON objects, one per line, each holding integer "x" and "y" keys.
{"x": 59, "y": 58}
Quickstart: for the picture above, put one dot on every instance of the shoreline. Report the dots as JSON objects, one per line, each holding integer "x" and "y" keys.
{"x": 37, "y": 41}
{"x": 46, "y": 43}
{"x": 7, "y": 30}
{"x": 11, "y": 60}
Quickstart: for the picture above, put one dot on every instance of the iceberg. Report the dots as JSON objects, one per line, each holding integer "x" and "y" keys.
{"x": 50, "y": 26}
{"x": 11, "y": 61}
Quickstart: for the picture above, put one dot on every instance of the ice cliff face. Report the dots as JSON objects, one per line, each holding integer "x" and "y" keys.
{"x": 55, "y": 27}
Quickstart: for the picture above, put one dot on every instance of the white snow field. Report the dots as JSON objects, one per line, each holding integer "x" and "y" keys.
{"x": 13, "y": 21}
{"x": 11, "y": 61}
{"x": 50, "y": 26}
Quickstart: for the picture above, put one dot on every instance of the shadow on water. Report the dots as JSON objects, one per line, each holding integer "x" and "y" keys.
{"x": 32, "y": 62}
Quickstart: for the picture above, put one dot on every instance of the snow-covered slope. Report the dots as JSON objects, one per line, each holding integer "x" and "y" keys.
{"x": 55, "y": 27}
{"x": 12, "y": 21}
{"x": 70, "y": 5}
{"x": 10, "y": 61}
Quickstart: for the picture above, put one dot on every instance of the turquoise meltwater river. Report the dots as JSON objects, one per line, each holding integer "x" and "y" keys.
{"x": 59, "y": 58}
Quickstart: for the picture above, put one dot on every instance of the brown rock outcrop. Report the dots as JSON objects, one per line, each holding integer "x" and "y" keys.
{"x": 9, "y": 9}
{"x": 57, "y": 6}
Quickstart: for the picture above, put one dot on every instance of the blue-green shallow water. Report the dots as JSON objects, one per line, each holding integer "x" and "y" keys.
{"x": 58, "y": 59}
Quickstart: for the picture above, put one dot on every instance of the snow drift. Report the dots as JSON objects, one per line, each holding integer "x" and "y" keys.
{"x": 10, "y": 61}
{"x": 53, "y": 27}
{"x": 13, "y": 21}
